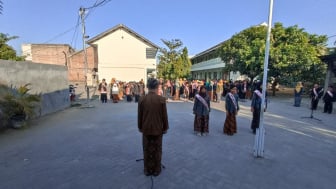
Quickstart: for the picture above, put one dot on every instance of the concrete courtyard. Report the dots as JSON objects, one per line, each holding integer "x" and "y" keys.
{"x": 91, "y": 148}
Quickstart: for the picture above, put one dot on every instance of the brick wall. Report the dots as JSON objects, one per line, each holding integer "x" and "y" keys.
{"x": 51, "y": 53}
{"x": 64, "y": 55}
{"x": 76, "y": 66}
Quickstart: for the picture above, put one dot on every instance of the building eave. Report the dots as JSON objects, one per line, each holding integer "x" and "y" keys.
{"x": 208, "y": 50}
{"x": 121, "y": 26}
{"x": 328, "y": 58}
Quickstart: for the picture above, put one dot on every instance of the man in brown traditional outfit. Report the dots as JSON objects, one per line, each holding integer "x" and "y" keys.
{"x": 152, "y": 123}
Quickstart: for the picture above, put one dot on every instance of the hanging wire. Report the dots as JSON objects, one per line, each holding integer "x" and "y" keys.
{"x": 75, "y": 35}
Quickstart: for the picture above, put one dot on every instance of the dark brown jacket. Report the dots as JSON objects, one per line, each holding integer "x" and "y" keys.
{"x": 152, "y": 114}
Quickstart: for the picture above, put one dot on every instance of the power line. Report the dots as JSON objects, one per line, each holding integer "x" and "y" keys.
{"x": 95, "y": 5}
{"x": 57, "y": 36}
{"x": 61, "y": 34}
{"x": 75, "y": 35}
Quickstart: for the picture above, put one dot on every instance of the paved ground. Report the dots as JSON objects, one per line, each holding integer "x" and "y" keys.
{"x": 97, "y": 148}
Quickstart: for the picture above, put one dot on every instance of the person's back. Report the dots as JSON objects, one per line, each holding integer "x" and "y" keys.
{"x": 115, "y": 88}
{"x": 152, "y": 123}
{"x": 152, "y": 114}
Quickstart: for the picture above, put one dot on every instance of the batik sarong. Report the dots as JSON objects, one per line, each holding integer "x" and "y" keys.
{"x": 152, "y": 151}
{"x": 230, "y": 124}
{"x": 201, "y": 124}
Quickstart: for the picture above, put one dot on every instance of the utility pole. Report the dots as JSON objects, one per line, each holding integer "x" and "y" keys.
{"x": 260, "y": 132}
{"x": 82, "y": 14}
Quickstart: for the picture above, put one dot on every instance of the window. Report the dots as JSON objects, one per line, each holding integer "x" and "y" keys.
{"x": 151, "y": 53}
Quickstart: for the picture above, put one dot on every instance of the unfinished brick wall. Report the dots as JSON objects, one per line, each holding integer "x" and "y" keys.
{"x": 76, "y": 64}
{"x": 55, "y": 54}
{"x": 65, "y": 55}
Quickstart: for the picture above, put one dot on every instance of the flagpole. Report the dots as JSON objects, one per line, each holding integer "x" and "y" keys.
{"x": 260, "y": 132}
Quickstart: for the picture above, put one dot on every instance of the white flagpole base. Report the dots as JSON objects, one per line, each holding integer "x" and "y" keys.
{"x": 259, "y": 143}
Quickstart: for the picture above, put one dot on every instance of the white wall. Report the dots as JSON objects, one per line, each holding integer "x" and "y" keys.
{"x": 26, "y": 51}
{"x": 123, "y": 57}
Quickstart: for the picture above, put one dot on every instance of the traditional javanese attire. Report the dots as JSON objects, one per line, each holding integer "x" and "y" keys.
{"x": 297, "y": 94}
{"x": 128, "y": 93}
{"x": 219, "y": 90}
{"x": 115, "y": 92}
{"x": 328, "y": 99}
{"x": 256, "y": 109}
{"x": 315, "y": 95}
{"x": 232, "y": 108}
{"x": 136, "y": 92}
{"x": 201, "y": 110}
{"x": 152, "y": 123}
{"x": 103, "y": 92}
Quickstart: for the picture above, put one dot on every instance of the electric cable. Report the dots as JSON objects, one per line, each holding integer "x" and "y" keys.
{"x": 75, "y": 35}
{"x": 152, "y": 180}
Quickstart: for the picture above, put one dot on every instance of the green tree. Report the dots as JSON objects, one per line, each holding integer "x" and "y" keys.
{"x": 6, "y": 51}
{"x": 244, "y": 52}
{"x": 294, "y": 53}
{"x": 174, "y": 61}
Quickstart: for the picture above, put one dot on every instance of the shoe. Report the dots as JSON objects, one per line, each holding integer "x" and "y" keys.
{"x": 199, "y": 134}
{"x": 155, "y": 174}
{"x": 147, "y": 173}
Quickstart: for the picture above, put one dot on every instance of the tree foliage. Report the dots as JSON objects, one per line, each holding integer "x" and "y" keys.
{"x": 173, "y": 60}
{"x": 294, "y": 53}
{"x": 7, "y": 52}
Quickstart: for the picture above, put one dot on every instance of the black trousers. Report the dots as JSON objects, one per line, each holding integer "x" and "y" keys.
{"x": 103, "y": 97}
{"x": 314, "y": 103}
{"x": 255, "y": 120}
{"x": 328, "y": 107}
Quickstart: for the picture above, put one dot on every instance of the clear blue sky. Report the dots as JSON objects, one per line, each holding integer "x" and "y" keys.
{"x": 200, "y": 24}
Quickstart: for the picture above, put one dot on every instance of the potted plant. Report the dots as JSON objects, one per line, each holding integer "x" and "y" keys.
{"x": 17, "y": 104}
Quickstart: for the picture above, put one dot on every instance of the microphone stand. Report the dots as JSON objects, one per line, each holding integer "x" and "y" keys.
{"x": 312, "y": 112}
{"x": 141, "y": 159}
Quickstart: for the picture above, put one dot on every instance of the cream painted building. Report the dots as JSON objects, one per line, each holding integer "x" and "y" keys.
{"x": 125, "y": 55}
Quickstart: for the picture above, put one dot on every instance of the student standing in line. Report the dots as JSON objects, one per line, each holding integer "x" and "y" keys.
{"x": 298, "y": 91}
{"x": 219, "y": 90}
{"x": 315, "y": 94}
{"x": 328, "y": 99}
{"x": 232, "y": 108}
{"x": 201, "y": 110}
{"x": 102, "y": 88}
{"x": 256, "y": 107}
